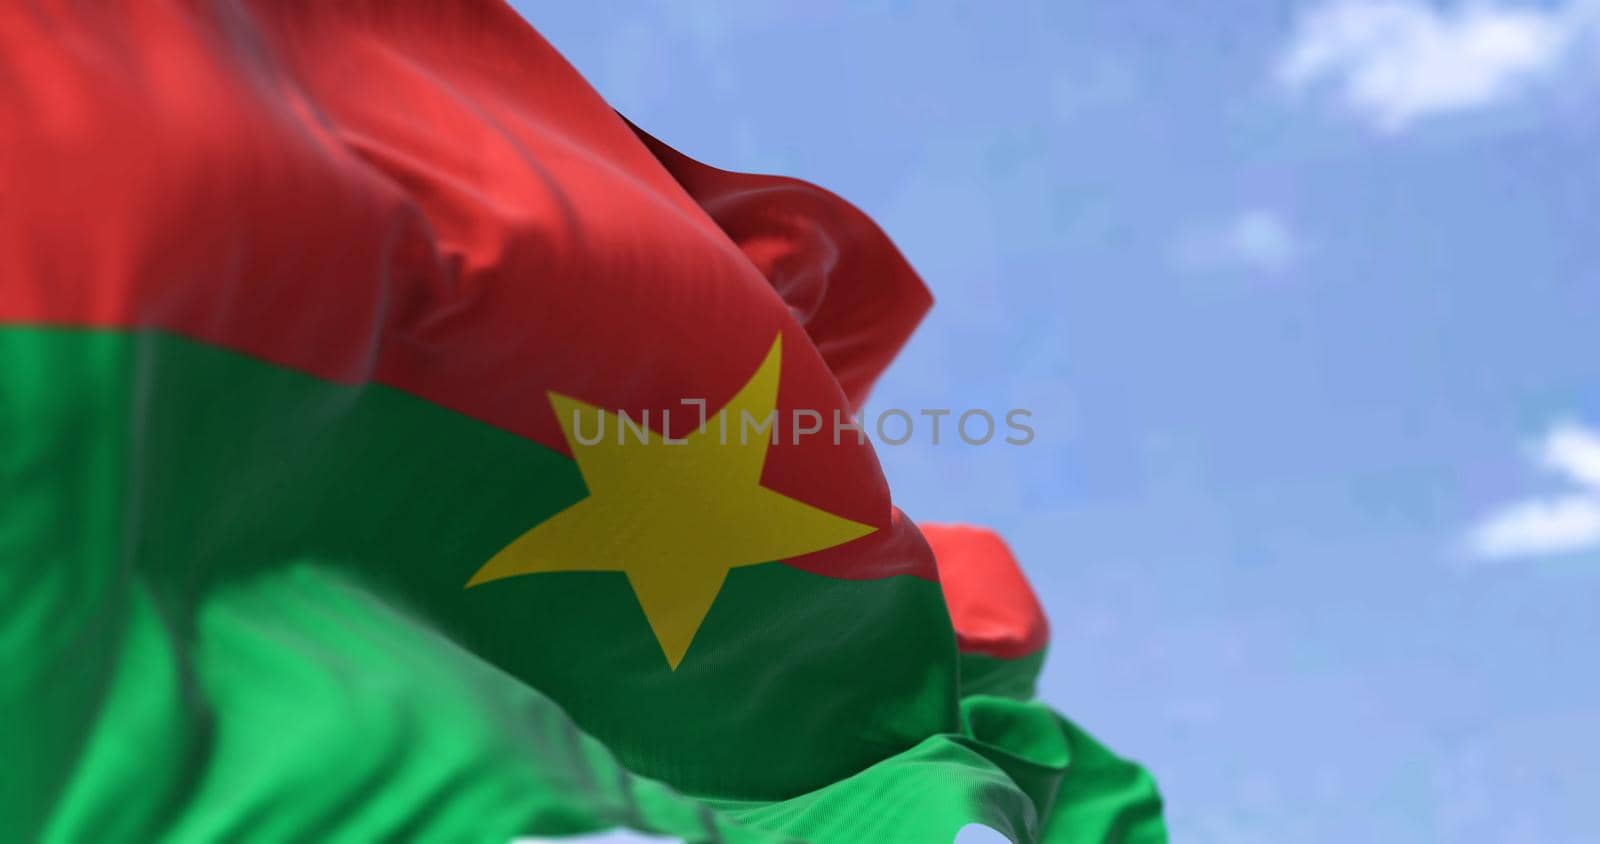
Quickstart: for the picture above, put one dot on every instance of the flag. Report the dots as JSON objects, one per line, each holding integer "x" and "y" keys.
{"x": 397, "y": 443}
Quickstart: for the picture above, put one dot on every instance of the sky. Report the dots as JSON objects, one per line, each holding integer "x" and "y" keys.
{"x": 1304, "y": 300}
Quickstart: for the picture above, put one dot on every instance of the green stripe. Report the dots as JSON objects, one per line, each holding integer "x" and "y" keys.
{"x": 231, "y": 607}
{"x": 192, "y": 469}
{"x": 303, "y": 708}
{"x": 982, "y": 674}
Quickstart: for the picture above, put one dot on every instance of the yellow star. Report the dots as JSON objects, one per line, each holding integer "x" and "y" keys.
{"x": 675, "y": 515}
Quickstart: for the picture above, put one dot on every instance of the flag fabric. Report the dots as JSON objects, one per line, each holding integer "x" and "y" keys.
{"x": 395, "y": 443}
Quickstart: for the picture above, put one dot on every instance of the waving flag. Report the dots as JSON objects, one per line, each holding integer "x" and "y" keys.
{"x": 398, "y": 443}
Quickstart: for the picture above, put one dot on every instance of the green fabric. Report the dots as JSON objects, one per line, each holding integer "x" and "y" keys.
{"x": 982, "y": 674}
{"x": 231, "y": 608}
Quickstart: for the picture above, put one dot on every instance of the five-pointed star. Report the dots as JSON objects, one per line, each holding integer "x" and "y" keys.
{"x": 674, "y": 515}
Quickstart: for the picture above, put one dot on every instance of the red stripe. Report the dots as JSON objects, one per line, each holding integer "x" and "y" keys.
{"x": 847, "y": 283}
{"x": 992, "y": 607}
{"x": 427, "y": 196}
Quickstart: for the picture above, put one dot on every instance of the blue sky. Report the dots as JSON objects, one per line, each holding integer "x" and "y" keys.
{"x": 1304, "y": 298}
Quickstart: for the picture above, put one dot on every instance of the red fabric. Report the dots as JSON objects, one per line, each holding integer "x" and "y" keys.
{"x": 847, "y": 284}
{"x": 991, "y": 604}
{"x": 428, "y": 196}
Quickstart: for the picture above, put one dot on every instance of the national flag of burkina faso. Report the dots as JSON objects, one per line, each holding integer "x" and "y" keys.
{"x": 309, "y": 314}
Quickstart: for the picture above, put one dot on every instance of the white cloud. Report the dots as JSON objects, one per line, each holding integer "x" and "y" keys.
{"x": 1574, "y": 451}
{"x": 1395, "y": 61}
{"x": 1550, "y": 524}
{"x": 1262, "y": 239}
{"x": 1258, "y": 239}
{"x": 1540, "y": 526}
